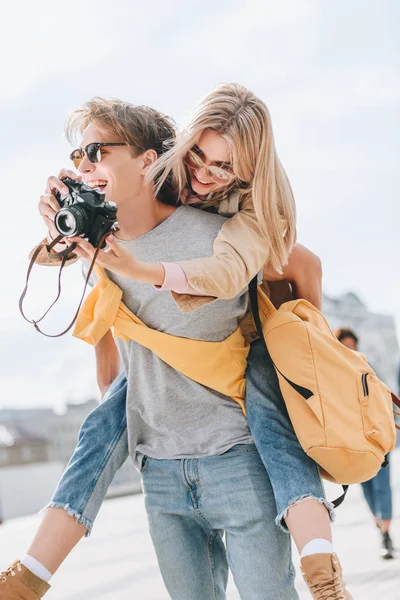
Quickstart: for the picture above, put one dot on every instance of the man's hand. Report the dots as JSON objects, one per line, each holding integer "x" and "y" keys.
{"x": 303, "y": 272}
{"x": 107, "y": 362}
{"x": 48, "y": 204}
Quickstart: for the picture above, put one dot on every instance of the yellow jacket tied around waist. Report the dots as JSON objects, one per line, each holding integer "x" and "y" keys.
{"x": 220, "y": 366}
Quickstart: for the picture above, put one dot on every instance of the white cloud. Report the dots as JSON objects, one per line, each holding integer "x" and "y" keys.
{"x": 43, "y": 38}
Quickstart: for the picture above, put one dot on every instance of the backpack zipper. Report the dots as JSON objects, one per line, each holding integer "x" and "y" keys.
{"x": 364, "y": 383}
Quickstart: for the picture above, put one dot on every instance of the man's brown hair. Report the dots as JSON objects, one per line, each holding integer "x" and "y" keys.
{"x": 142, "y": 127}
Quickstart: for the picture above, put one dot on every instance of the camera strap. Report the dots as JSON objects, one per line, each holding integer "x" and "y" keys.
{"x": 65, "y": 255}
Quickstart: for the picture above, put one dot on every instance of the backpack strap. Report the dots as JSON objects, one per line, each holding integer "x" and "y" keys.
{"x": 253, "y": 287}
{"x": 396, "y": 401}
{"x": 338, "y": 501}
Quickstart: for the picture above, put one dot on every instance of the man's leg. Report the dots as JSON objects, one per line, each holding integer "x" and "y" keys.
{"x": 191, "y": 554}
{"x": 102, "y": 448}
{"x": 235, "y": 494}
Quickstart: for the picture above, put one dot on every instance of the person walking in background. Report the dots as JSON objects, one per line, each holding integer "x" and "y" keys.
{"x": 377, "y": 491}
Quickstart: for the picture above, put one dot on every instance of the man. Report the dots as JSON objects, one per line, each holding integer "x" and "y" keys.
{"x": 204, "y": 478}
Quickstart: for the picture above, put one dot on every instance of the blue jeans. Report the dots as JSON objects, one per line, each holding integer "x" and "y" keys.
{"x": 294, "y": 476}
{"x": 192, "y": 503}
{"x": 101, "y": 450}
{"x": 378, "y": 493}
{"x": 103, "y": 447}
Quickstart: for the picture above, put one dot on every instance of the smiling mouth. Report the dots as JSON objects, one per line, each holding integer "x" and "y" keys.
{"x": 100, "y": 184}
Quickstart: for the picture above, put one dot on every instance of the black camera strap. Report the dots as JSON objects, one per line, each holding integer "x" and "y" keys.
{"x": 65, "y": 255}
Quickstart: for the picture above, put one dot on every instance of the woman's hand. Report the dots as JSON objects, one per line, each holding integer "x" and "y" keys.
{"x": 119, "y": 260}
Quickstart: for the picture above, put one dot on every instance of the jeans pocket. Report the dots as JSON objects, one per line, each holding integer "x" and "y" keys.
{"x": 240, "y": 449}
{"x": 145, "y": 464}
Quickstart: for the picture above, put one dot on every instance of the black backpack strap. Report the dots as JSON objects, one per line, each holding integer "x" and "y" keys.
{"x": 305, "y": 392}
{"x": 339, "y": 500}
{"x": 254, "y": 306}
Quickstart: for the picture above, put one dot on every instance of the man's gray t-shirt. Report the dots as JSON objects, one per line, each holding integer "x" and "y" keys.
{"x": 169, "y": 415}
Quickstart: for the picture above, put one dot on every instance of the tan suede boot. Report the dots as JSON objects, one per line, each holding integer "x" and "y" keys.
{"x": 323, "y": 575}
{"x": 19, "y": 583}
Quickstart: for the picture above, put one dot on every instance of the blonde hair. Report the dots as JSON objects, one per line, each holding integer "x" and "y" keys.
{"x": 244, "y": 121}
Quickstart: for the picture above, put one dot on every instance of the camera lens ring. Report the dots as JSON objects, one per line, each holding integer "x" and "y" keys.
{"x": 72, "y": 221}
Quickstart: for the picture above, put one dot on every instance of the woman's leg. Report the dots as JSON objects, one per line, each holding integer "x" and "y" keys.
{"x": 299, "y": 493}
{"x": 383, "y": 496}
{"x": 368, "y": 491}
{"x": 294, "y": 476}
{"x": 102, "y": 448}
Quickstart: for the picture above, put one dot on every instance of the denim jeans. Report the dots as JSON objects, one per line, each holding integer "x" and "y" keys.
{"x": 193, "y": 503}
{"x": 101, "y": 450}
{"x": 103, "y": 447}
{"x": 378, "y": 493}
{"x": 294, "y": 476}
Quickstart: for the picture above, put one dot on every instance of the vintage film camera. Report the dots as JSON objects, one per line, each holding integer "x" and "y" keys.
{"x": 84, "y": 212}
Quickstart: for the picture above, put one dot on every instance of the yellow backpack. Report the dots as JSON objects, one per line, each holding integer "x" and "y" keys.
{"x": 341, "y": 412}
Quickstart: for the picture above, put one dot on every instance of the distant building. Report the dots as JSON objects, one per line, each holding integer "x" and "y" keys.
{"x": 63, "y": 436}
{"x": 64, "y": 429}
{"x": 43, "y": 437}
{"x": 35, "y": 421}
{"x": 17, "y": 447}
{"x": 27, "y": 475}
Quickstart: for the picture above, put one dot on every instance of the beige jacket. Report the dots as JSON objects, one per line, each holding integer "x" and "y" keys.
{"x": 240, "y": 252}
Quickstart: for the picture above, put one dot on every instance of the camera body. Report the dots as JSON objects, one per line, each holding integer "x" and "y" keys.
{"x": 84, "y": 212}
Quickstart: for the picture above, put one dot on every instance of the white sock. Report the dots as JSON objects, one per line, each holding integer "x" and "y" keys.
{"x": 317, "y": 546}
{"x": 37, "y": 568}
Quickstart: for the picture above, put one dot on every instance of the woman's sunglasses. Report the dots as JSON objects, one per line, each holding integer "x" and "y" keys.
{"x": 217, "y": 174}
{"x": 92, "y": 151}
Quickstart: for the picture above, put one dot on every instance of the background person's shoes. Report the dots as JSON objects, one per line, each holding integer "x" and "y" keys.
{"x": 387, "y": 550}
{"x": 323, "y": 575}
{"x": 19, "y": 583}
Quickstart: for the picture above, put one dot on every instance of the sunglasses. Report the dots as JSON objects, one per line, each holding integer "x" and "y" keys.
{"x": 217, "y": 174}
{"x": 92, "y": 151}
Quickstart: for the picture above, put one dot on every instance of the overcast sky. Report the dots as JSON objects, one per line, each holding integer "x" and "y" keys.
{"x": 328, "y": 71}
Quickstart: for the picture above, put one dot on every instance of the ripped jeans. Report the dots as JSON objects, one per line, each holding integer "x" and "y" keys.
{"x": 103, "y": 447}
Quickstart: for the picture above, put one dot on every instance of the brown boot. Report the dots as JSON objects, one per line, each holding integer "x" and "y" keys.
{"x": 19, "y": 583}
{"x": 323, "y": 575}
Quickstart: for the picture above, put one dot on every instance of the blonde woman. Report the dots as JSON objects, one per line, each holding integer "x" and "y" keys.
{"x": 226, "y": 161}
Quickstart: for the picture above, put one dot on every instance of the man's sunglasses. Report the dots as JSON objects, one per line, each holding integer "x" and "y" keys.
{"x": 92, "y": 151}
{"x": 217, "y": 174}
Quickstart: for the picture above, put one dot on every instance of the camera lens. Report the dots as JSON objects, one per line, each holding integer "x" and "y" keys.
{"x": 72, "y": 221}
{"x": 66, "y": 223}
